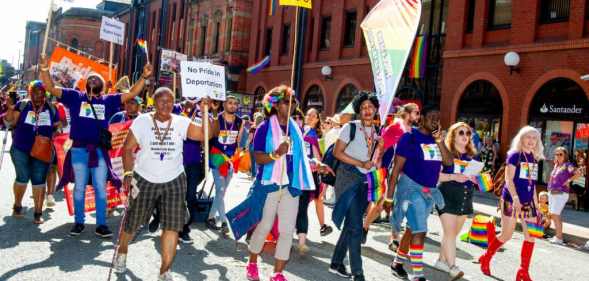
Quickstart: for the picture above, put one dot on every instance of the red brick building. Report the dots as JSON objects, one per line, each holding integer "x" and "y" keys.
{"x": 551, "y": 38}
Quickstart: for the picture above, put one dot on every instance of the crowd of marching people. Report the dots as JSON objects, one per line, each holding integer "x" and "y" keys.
{"x": 409, "y": 167}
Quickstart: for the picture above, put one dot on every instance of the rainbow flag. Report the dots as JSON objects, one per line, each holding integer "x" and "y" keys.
{"x": 535, "y": 230}
{"x": 419, "y": 58}
{"x": 259, "y": 66}
{"x": 143, "y": 45}
{"x": 485, "y": 182}
{"x": 376, "y": 184}
{"x": 219, "y": 160}
{"x": 272, "y": 7}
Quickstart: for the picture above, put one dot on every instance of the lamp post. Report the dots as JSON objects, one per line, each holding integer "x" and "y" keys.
{"x": 512, "y": 60}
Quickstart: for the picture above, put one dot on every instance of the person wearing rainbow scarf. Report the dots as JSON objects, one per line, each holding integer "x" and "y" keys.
{"x": 284, "y": 173}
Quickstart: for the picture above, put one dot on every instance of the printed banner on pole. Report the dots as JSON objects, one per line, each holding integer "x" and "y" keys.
{"x": 297, "y": 3}
{"x": 112, "y": 30}
{"x": 170, "y": 64}
{"x": 389, "y": 31}
{"x": 70, "y": 70}
{"x": 201, "y": 79}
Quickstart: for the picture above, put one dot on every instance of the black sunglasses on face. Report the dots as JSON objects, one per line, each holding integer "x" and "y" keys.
{"x": 462, "y": 133}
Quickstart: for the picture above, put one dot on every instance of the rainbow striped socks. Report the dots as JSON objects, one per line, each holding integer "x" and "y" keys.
{"x": 416, "y": 256}
{"x": 401, "y": 256}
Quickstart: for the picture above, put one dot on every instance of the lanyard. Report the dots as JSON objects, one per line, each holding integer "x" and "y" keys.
{"x": 368, "y": 139}
{"x": 159, "y": 137}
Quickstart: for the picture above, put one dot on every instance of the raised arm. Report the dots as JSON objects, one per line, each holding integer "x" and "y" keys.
{"x": 46, "y": 79}
{"x": 138, "y": 86}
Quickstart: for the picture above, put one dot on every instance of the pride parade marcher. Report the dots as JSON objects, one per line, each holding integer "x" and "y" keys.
{"x": 457, "y": 190}
{"x": 416, "y": 169}
{"x": 519, "y": 198}
{"x": 132, "y": 107}
{"x": 230, "y": 132}
{"x": 156, "y": 178}
{"x": 354, "y": 149}
{"x": 34, "y": 123}
{"x": 90, "y": 112}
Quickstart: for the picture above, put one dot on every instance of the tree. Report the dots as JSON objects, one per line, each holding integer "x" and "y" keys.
{"x": 6, "y": 71}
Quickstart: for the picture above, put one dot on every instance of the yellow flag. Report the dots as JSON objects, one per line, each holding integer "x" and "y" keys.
{"x": 298, "y": 3}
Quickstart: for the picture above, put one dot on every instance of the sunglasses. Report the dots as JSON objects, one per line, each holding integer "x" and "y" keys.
{"x": 464, "y": 132}
{"x": 559, "y": 154}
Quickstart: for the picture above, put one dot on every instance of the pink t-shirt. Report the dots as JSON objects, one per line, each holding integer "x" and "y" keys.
{"x": 393, "y": 133}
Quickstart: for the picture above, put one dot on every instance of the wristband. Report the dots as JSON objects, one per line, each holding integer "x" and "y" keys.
{"x": 273, "y": 157}
{"x": 128, "y": 174}
{"x": 388, "y": 200}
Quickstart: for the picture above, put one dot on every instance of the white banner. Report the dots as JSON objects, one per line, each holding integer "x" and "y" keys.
{"x": 112, "y": 30}
{"x": 389, "y": 30}
{"x": 202, "y": 79}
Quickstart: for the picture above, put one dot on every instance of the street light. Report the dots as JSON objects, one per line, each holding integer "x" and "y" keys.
{"x": 326, "y": 72}
{"x": 512, "y": 59}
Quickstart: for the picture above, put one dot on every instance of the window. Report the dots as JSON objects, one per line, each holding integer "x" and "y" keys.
{"x": 499, "y": 14}
{"x": 313, "y": 99}
{"x": 268, "y": 42}
{"x": 350, "y": 29}
{"x": 74, "y": 43}
{"x": 203, "y": 35}
{"x": 325, "y": 41}
{"x": 285, "y": 44}
{"x": 470, "y": 16}
{"x": 554, "y": 11}
{"x": 216, "y": 37}
{"x": 228, "y": 33}
{"x": 345, "y": 97}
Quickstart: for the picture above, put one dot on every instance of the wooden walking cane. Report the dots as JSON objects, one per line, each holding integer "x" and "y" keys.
{"x": 47, "y": 29}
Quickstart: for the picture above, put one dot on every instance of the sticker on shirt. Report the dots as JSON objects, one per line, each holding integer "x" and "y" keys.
{"x": 307, "y": 148}
{"x": 460, "y": 166}
{"x": 228, "y": 137}
{"x": 44, "y": 119}
{"x": 528, "y": 171}
{"x": 86, "y": 110}
{"x": 431, "y": 152}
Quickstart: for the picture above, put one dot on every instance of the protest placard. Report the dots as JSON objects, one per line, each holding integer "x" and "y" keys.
{"x": 201, "y": 79}
{"x": 112, "y": 30}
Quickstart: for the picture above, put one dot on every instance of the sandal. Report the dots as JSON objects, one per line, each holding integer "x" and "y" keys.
{"x": 37, "y": 218}
{"x": 17, "y": 211}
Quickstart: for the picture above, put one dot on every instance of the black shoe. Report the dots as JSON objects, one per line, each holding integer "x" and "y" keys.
{"x": 185, "y": 238}
{"x": 339, "y": 270}
{"x": 398, "y": 270}
{"x": 359, "y": 278}
{"x": 419, "y": 279}
{"x": 102, "y": 231}
{"x": 364, "y": 235}
{"x": 394, "y": 245}
{"x": 77, "y": 229}
{"x": 154, "y": 224}
{"x": 212, "y": 225}
{"x": 326, "y": 230}
{"x": 224, "y": 228}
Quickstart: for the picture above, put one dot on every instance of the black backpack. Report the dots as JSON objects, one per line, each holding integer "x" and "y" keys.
{"x": 330, "y": 160}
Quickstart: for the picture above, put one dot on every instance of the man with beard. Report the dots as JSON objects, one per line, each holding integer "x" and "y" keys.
{"x": 90, "y": 112}
{"x": 230, "y": 131}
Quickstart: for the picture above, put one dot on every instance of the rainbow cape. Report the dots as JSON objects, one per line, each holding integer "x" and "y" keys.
{"x": 376, "y": 184}
{"x": 218, "y": 160}
{"x": 485, "y": 182}
{"x": 259, "y": 66}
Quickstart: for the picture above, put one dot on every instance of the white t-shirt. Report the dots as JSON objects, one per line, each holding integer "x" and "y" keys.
{"x": 159, "y": 162}
{"x": 358, "y": 148}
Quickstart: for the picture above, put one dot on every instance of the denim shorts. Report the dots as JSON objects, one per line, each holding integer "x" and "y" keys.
{"x": 415, "y": 204}
{"x": 28, "y": 169}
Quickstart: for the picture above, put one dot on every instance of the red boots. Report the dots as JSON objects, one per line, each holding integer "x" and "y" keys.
{"x": 526, "y": 256}
{"x": 485, "y": 259}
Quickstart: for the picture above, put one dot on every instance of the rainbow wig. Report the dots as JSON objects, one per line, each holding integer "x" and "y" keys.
{"x": 274, "y": 96}
{"x": 35, "y": 84}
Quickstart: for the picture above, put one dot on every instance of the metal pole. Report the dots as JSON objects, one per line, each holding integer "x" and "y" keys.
{"x": 47, "y": 28}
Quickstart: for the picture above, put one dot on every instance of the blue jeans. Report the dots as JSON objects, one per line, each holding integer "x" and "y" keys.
{"x": 254, "y": 165}
{"x": 28, "y": 169}
{"x": 221, "y": 184}
{"x": 350, "y": 239}
{"x": 79, "y": 158}
{"x": 194, "y": 175}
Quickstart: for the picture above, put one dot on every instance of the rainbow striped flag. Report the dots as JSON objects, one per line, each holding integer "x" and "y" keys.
{"x": 142, "y": 44}
{"x": 260, "y": 65}
{"x": 485, "y": 182}
{"x": 419, "y": 58}
{"x": 376, "y": 184}
{"x": 272, "y": 7}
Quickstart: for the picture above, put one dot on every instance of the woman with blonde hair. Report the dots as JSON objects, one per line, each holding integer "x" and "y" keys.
{"x": 457, "y": 189}
{"x": 520, "y": 200}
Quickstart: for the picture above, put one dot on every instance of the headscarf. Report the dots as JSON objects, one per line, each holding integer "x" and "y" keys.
{"x": 274, "y": 96}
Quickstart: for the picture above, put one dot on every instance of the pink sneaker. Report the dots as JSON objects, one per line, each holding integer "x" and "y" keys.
{"x": 278, "y": 277}
{"x": 252, "y": 272}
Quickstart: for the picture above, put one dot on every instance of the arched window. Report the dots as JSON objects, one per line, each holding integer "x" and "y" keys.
{"x": 313, "y": 99}
{"x": 481, "y": 107}
{"x": 345, "y": 97}
{"x": 217, "y": 17}
{"x": 74, "y": 43}
{"x": 202, "y": 41}
{"x": 258, "y": 96}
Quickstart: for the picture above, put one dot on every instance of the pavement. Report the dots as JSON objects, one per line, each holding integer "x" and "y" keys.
{"x": 47, "y": 252}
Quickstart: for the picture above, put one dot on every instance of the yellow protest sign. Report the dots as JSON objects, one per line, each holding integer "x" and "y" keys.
{"x": 298, "y": 3}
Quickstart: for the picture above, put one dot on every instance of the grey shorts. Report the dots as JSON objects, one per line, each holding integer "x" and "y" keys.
{"x": 169, "y": 198}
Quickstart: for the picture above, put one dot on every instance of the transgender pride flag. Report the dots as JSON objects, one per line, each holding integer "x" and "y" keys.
{"x": 389, "y": 30}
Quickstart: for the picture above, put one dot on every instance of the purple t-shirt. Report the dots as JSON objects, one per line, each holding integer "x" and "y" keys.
{"x": 423, "y": 159}
{"x": 228, "y": 133}
{"x": 457, "y": 168}
{"x": 559, "y": 176}
{"x": 526, "y": 173}
{"x": 260, "y": 145}
{"x": 24, "y": 132}
{"x": 193, "y": 149}
{"x": 84, "y": 127}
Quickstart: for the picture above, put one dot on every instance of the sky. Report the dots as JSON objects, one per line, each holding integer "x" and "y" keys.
{"x": 14, "y": 20}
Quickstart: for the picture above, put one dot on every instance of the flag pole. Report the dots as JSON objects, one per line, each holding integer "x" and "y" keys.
{"x": 293, "y": 70}
{"x": 47, "y": 27}
{"x": 111, "y": 53}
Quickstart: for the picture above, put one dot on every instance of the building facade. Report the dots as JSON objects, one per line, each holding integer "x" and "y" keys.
{"x": 543, "y": 87}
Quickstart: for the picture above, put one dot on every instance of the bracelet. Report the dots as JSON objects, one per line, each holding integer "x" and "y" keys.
{"x": 45, "y": 69}
{"x": 388, "y": 200}
{"x": 128, "y": 174}
{"x": 273, "y": 157}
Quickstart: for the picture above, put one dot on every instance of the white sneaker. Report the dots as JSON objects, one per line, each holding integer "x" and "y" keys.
{"x": 555, "y": 240}
{"x": 120, "y": 265}
{"x": 455, "y": 273}
{"x": 167, "y": 276}
{"x": 50, "y": 201}
{"x": 442, "y": 266}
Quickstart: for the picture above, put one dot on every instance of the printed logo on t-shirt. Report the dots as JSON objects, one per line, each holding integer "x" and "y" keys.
{"x": 307, "y": 148}
{"x": 228, "y": 137}
{"x": 86, "y": 110}
{"x": 460, "y": 166}
{"x": 44, "y": 118}
{"x": 526, "y": 168}
{"x": 431, "y": 152}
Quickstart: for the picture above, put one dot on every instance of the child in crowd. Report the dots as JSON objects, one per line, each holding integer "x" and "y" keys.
{"x": 543, "y": 207}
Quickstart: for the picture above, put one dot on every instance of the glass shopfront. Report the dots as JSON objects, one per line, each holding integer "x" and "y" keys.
{"x": 560, "y": 110}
